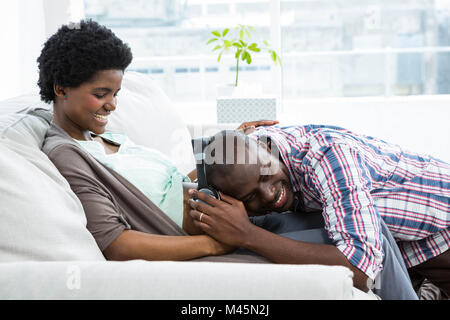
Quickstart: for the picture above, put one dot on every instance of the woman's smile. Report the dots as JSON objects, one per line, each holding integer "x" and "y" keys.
{"x": 101, "y": 119}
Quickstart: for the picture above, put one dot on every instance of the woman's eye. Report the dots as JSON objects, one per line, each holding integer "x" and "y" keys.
{"x": 99, "y": 96}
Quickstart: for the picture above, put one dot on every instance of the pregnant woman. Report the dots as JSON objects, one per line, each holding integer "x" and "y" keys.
{"x": 132, "y": 196}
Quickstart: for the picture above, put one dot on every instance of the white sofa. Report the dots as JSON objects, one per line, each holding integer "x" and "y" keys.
{"x": 46, "y": 251}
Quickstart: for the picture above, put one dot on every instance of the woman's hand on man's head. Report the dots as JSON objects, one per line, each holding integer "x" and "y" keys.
{"x": 250, "y": 126}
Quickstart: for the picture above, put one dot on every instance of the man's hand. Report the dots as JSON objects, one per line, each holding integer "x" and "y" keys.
{"x": 225, "y": 220}
{"x": 249, "y": 127}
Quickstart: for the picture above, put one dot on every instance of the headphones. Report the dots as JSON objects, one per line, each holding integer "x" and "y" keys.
{"x": 199, "y": 145}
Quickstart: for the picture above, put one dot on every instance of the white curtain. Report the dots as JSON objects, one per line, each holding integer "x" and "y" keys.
{"x": 24, "y": 27}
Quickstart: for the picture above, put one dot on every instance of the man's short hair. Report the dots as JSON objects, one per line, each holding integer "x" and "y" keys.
{"x": 226, "y": 150}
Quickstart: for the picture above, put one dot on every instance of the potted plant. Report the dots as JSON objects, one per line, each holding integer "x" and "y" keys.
{"x": 243, "y": 43}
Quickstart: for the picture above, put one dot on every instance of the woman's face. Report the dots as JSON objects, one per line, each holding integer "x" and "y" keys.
{"x": 87, "y": 107}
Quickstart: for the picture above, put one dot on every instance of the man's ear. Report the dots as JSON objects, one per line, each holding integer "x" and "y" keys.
{"x": 60, "y": 91}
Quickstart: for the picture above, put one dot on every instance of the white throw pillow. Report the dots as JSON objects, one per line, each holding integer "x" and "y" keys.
{"x": 146, "y": 115}
{"x": 42, "y": 219}
{"x": 21, "y": 103}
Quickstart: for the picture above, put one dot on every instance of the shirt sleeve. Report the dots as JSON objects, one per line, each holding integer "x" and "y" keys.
{"x": 104, "y": 220}
{"x": 350, "y": 215}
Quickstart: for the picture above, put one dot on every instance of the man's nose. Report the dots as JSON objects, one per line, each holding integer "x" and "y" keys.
{"x": 267, "y": 192}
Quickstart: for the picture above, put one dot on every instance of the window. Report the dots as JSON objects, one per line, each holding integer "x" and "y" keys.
{"x": 340, "y": 48}
{"x": 365, "y": 48}
{"x": 168, "y": 40}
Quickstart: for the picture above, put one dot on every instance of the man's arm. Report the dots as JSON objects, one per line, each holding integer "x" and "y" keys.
{"x": 288, "y": 251}
{"x": 227, "y": 221}
{"x": 188, "y": 223}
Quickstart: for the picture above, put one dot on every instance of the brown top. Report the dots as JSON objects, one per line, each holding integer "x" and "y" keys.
{"x": 111, "y": 203}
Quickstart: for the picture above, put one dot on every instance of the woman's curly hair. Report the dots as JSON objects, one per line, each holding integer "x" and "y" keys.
{"x": 76, "y": 52}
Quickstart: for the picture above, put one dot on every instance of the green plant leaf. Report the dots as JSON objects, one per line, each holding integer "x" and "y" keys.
{"x": 217, "y": 47}
{"x": 212, "y": 40}
{"x": 251, "y": 28}
{"x": 249, "y": 58}
{"x": 254, "y": 49}
{"x": 244, "y": 55}
{"x": 241, "y": 34}
{"x": 216, "y": 33}
{"x": 248, "y": 34}
{"x": 237, "y": 45}
{"x": 243, "y": 43}
{"x": 227, "y": 43}
{"x": 274, "y": 55}
{"x": 224, "y": 33}
{"x": 238, "y": 53}
{"x": 220, "y": 56}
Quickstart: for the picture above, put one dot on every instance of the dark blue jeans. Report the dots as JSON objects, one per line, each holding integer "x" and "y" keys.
{"x": 392, "y": 283}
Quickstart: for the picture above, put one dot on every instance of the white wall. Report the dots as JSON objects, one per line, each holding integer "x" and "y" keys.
{"x": 24, "y": 27}
{"x": 21, "y": 35}
{"x": 418, "y": 123}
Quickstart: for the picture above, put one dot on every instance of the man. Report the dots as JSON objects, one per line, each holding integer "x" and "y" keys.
{"x": 359, "y": 183}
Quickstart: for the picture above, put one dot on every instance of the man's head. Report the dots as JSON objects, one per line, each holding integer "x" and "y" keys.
{"x": 249, "y": 171}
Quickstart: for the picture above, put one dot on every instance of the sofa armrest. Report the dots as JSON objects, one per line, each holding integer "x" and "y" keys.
{"x": 166, "y": 280}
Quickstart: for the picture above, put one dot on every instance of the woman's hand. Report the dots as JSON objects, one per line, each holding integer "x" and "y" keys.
{"x": 249, "y": 127}
{"x": 225, "y": 220}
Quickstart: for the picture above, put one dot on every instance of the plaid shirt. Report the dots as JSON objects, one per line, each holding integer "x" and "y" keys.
{"x": 356, "y": 180}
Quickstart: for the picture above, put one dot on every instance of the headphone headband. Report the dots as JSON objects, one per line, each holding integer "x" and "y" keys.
{"x": 199, "y": 145}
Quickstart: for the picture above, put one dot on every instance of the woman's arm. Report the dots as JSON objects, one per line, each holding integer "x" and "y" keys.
{"x": 133, "y": 244}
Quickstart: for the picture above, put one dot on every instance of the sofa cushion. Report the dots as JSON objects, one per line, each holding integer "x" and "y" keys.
{"x": 146, "y": 115}
{"x": 180, "y": 280}
{"x": 42, "y": 219}
{"x": 22, "y": 103}
{"x": 25, "y": 129}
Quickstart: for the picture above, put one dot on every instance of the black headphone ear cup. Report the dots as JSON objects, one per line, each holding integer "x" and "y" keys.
{"x": 216, "y": 194}
{"x": 210, "y": 191}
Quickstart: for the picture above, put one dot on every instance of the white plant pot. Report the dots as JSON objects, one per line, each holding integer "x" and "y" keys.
{"x": 238, "y": 110}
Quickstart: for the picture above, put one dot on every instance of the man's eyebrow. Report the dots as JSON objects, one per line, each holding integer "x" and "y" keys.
{"x": 248, "y": 194}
